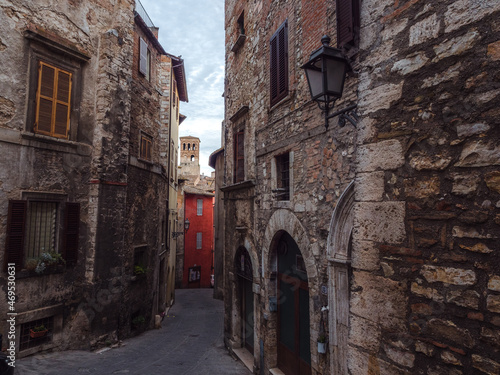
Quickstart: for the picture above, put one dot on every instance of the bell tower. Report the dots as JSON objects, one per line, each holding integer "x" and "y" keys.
{"x": 190, "y": 156}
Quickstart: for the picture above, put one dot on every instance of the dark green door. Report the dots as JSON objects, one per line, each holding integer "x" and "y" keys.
{"x": 294, "y": 354}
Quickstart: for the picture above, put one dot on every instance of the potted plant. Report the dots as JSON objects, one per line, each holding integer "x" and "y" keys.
{"x": 322, "y": 339}
{"x": 45, "y": 262}
{"x": 139, "y": 270}
{"x": 38, "y": 331}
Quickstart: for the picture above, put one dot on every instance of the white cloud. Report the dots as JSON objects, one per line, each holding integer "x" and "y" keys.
{"x": 194, "y": 29}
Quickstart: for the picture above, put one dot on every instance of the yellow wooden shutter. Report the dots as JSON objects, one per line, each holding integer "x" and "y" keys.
{"x": 53, "y": 101}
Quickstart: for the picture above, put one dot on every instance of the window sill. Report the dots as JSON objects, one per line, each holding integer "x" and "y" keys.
{"x": 239, "y": 43}
{"x": 281, "y": 204}
{"x": 55, "y": 144}
{"x": 290, "y": 96}
{"x": 239, "y": 186}
{"x": 24, "y": 273}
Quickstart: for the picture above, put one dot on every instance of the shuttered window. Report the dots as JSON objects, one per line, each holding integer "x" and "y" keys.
{"x": 144, "y": 58}
{"x": 146, "y": 144}
{"x": 16, "y": 223}
{"x": 347, "y": 22}
{"x": 32, "y": 230}
{"x": 239, "y": 157}
{"x": 279, "y": 64}
{"x": 71, "y": 232}
{"x": 53, "y": 100}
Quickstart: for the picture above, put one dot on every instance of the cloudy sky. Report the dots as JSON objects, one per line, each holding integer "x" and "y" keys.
{"x": 194, "y": 29}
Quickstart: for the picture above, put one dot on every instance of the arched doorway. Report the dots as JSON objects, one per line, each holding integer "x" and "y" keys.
{"x": 244, "y": 272}
{"x": 339, "y": 251}
{"x": 293, "y": 334}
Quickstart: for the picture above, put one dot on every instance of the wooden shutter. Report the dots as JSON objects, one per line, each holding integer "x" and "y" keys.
{"x": 71, "y": 232}
{"x": 53, "y": 101}
{"x": 16, "y": 224}
{"x": 239, "y": 157}
{"x": 143, "y": 56}
{"x": 279, "y": 64}
{"x": 347, "y": 21}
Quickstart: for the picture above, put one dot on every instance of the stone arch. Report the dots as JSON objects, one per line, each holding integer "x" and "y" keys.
{"x": 237, "y": 279}
{"x": 339, "y": 248}
{"x": 280, "y": 222}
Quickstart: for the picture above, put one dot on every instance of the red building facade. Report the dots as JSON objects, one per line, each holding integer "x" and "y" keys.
{"x": 198, "y": 245}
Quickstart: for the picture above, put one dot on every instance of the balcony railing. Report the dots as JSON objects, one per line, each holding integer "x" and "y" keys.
{"x": 144, "y": 15}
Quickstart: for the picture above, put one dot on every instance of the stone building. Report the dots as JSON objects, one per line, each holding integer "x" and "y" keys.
{"x": 86, "y": 118}
{"x": 380, "y": 234}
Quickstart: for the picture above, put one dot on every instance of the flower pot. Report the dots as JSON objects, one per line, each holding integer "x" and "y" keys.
{"x": 37, "y": 334}
{"x": 322, "y": 347}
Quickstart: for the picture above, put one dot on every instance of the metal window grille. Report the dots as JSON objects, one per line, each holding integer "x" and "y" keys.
{"x": 27, "y": 342}
{"x": 283, "y": 177}
{"x": 41, "y": 232}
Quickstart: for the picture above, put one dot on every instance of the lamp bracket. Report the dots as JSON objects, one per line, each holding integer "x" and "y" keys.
{"x": 348, "y": 114}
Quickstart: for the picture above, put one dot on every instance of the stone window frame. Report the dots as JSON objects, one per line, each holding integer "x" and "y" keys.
{"x": 277, "y": 203}
{"x": 45, "y": 49}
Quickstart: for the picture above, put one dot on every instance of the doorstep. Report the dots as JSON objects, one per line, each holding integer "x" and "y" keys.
{"x": 244, "y": 356}
{"x": 276, "y": 371}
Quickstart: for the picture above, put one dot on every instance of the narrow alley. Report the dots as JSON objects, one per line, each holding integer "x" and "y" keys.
{"x": 189, "y": 342}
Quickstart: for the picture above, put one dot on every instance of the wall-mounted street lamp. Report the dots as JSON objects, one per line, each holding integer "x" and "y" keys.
{"x": 325, "y": 72}
{"x": 186, "y": 227}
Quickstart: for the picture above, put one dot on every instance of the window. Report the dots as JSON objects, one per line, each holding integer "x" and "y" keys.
{"x": 146, "y": 143}
{"x": 283, "y": 177}
{"x": 239, "y": 156}
{"x": 172, "y": 148}
{"x": 199, "y": 207}
{"x": 30, "y": 340}
{"x": 348, "y": 22}
{"x": 241, "y": 23}
{"x": 144, "y": 59}
{"x": 192, "y": 157}
{"x": 34, "y": 227}
{"x": 279, "y": 64}
{"x": 53, "y": 99}
{"x": 198, "y": 240}
{"x": 183, "y": 146}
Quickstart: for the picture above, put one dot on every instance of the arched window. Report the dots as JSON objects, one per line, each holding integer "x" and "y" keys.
{"x": 194, "y": 146}
{"x": 183, "y": 146}
{"x": 189, "y": 146}
{"x": 192, "y": 157}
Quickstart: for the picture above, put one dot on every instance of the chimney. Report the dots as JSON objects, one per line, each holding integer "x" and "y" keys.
{"x": 154, "y": 30}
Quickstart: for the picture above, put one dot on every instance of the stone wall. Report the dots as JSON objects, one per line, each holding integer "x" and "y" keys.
{"x": 422, "y": 293}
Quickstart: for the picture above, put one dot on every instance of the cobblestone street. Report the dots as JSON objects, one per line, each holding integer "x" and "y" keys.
{"x": 190, "y": 342}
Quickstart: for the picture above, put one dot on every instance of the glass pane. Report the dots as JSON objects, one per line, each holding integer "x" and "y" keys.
{"x": 315, "y": 79}
{"x": 304, "y": 342}
{"x": 287, "y": 316}
{"x": 336, "y": 72}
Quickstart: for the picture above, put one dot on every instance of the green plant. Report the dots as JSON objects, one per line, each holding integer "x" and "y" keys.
{"x": 39, "y": 328}
{"x": 40, "y": 264}
{"x": 322, "y": 338}
{"x": 139, "y": 270}
{"x": 138, "y": 320}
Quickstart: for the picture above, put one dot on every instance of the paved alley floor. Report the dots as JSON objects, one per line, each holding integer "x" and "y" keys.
{"x": 190, "y": 342}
